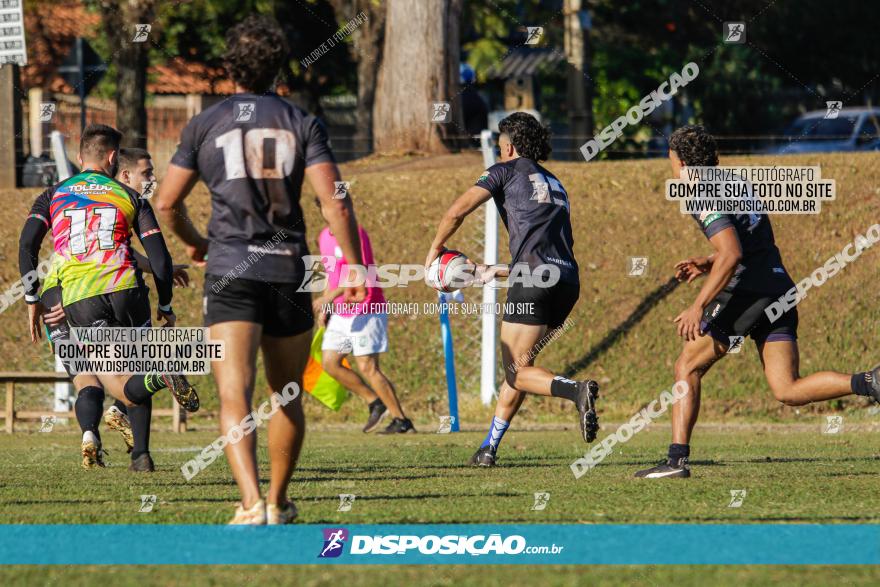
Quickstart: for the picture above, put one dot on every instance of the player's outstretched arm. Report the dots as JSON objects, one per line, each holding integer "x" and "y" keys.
{"x": 175, "y": 187}
{"x": 727, "y": 256}
{"x": 693, "y": 267}
{"x": 454, "y": 216}
{"x": 29, "y": 242}
{"x": 32, "y": 234}
{"x": 158, "y": 258}
{"x": 340, "y": 216}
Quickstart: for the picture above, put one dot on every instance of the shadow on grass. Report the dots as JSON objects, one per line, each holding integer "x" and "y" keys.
{"x": 636, "y": 316}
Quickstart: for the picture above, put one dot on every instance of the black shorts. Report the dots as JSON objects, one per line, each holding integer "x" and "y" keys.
{"x": 128, "y": 308}
{"x": 52, "y": 297}
{"x": 742, "y": 314}
{"x": 548, "y": 306}
{"x": 278, "y": 307}
{"x": 59, "y": 332}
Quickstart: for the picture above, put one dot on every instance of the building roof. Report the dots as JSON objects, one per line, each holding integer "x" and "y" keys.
{"x": 524, "y": 61}
{"x": 177, "y": 76}
{"x": 51, "y": 29}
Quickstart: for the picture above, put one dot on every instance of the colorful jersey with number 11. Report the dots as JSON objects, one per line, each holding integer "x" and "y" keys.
{"x": 92, "y": 217}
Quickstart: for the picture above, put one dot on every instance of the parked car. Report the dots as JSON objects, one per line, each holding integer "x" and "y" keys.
{"x": 852, "y": 129}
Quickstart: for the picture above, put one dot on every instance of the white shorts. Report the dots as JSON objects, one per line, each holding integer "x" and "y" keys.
{"x": 363, "y": 334}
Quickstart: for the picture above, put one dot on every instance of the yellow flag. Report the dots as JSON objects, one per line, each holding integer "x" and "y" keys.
{"x": 318, "y": 382}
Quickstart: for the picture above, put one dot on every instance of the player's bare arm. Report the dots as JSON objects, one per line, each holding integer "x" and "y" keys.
{"x": 341, "y": 218}
{"x": 171, "y": 210}
{"x": 693, "y": 268}
{"x": 321, "y": 301}
{"x": 487, "y": 273}
{"x": 727, "y": 256}
{"x": 54, "y": 315}
{"x": 453, "y": 218}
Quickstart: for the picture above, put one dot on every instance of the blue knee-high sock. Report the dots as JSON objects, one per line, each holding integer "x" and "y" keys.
{"x": 496, "y": 432}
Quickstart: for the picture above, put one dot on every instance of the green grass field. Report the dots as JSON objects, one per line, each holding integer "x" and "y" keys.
{"x": 439, "y": 576}
{"x": 790, "y": 475}
{"x": 448, "y": 576}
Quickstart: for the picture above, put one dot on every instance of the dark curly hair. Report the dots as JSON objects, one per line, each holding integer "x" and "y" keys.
{"x": 256, "y": 48}
{"x": 529, "y": 137}
{"x": 694, "y": 146}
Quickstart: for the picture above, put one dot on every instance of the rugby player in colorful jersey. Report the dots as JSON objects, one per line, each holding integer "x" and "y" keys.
{"x": 535, "y": 209}
{"x": 135, "y": 170}
{"x": 744, "y": 275}
{"x": 92, "y": 216}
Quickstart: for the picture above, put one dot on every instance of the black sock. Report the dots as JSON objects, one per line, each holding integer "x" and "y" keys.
{"x": 140, "y": 417}
{"x": 140, "y": 388}
{"x": 374, "y": 403}
{"x": 679, "y": 451}
{"x": 562, "y": 387}
{"x": 121, "y": 407}
{"x": 861, "y": 383}
{"x": 88, "y": 407}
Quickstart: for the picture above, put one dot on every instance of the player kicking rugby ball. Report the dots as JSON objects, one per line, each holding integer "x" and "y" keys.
{"x": 361, "y": 330}
{"x": 744, "y": 275}
{"x": 253, "y": 151}
{"x": 535, "y": 209}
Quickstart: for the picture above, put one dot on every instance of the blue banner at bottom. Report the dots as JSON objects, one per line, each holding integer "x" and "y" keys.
{"x": 675, "y": 544}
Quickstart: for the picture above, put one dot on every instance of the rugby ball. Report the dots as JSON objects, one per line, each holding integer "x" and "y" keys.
{"x": 450, "y": 271}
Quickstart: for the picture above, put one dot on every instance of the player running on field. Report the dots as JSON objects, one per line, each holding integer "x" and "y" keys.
{"x": 361, "y": 330}
{"x": 253, "y": 151}
{"x": 744, "y": 275}
{"x": 92, "y": 216}
{"x": 135, "y": 170}
{"x": 535, "y": 210}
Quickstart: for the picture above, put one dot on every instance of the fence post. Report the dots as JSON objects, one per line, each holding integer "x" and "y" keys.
{"x": 10, "y": 406}
{"x": 178, "y": 419}
{"x": 10, "y": 127}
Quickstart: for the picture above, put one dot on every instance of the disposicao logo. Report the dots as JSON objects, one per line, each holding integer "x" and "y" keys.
{"x": 334, "y": 540}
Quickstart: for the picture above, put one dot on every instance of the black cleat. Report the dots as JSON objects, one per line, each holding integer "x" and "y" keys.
{"x": 668, "y": 468}
{"x": 874, "y": 376}
{"x": 377, "y": 412}
{"x": 399, "y": 426}
{"x": 588, "y": 392}
{"x": 142, "y": 464}
{"x": 184, "y": 393}
{"x": 484, "y": 457}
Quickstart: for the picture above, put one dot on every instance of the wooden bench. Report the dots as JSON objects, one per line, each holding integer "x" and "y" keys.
{"x": 178, "y": 415}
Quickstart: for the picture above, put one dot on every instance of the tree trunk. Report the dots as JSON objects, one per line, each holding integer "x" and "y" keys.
{"x": 366, "y": 50}
{"x": 580, "y": 87}
{"x": 120, "y": 19}
{"x": 419, "y": 68}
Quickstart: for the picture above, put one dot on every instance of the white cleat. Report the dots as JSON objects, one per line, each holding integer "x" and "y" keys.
{"x": 92, "y": 453}
{"x": 284, "y": 513}
{"x": 253, "y": 516}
